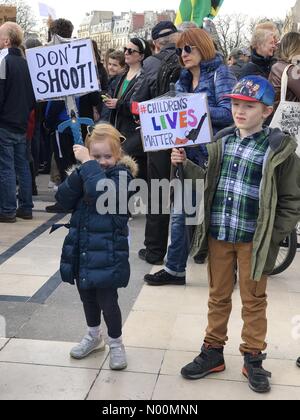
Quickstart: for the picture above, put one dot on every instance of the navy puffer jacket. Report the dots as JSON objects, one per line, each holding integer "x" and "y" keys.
{"x": 96, "y": 251}
{"x": 216, "y": 80}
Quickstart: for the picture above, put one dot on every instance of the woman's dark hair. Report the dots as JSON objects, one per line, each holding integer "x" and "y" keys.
{"x": 143, "y": 47}
{"x": 62, "y": 27}
{"x": 97, "y": 52}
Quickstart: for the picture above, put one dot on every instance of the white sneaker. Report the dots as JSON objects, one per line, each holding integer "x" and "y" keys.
{"x": 51, "y": 185}
{"x": 87, "y": 346}
{"x": 117, "y": 354}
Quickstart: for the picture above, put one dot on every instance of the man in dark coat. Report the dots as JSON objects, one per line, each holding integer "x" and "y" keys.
{"x": 16, "y": 103}
{"x": 164, "y": 35}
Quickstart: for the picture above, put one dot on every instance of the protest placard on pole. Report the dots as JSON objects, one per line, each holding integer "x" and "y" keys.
{"x": 7, "y": 14}
{"x": 181, "y": 121}
{"x": 63, "y": 70}
{"x": 3, "y": 54}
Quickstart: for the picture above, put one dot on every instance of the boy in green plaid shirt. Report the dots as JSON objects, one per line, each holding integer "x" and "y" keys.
{"x": 252, "y": 202}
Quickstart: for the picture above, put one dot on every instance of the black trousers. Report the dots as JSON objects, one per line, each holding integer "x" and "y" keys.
{"x": 63, "y": 153}
{"x": 157, "y": 225}
{"x": 98, "y": 301}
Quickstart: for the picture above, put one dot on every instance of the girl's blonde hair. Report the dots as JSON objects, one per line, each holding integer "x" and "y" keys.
{"x": 290, "y": 47}
{"x": 102, "y": 132}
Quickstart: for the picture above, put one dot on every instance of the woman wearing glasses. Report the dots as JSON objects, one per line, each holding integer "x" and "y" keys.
{"x": 122, "y": 118}
{"x": 204, "y": 72}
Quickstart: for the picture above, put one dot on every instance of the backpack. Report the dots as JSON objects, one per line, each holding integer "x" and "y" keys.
{"x": 169, "y": 72}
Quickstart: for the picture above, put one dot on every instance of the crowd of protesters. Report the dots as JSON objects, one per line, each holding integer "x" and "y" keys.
{"x": 188, "y": 56}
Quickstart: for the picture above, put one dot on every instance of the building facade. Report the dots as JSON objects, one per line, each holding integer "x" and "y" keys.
{"x": 93, "y": 19}
{"x": 296, "y": 15}
{"x": 292, "y": 22}
{"x": 111, "y": 31}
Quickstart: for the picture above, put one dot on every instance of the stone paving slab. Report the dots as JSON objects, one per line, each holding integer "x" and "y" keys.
{"x": 172, "y": 388}
{"x": 34, "y": 382}
{"x": 3, "y": 341}
{"x": 48, "y": 353}
{"x": 123, "y": 386}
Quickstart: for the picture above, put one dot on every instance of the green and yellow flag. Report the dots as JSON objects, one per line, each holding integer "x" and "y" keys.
{"x": 197, "y": 10}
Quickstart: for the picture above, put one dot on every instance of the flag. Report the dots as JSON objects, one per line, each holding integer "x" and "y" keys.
{"x": 197, "y": 10}
{"x": 46, "y": 10}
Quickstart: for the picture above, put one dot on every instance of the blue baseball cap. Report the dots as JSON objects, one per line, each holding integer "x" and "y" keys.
{"x": 254, "y": 89}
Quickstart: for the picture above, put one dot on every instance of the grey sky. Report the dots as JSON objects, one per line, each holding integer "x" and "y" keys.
{"x": 75, "y": 11}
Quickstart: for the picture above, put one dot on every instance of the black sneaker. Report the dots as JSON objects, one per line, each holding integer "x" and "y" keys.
{"x": 56, "y": 208}
{"x": 211, "y": 360}
{"x": 142, "y": 254}
{"x": 255, "y": 373}
{"x": 7, "y": 219}
{"x": 145, "y": 256}
{"x": 298, "y": 362}
{"x": 200, "y": 259}
{"x": 163, "y": 278}
{"x": 24, "y": 215}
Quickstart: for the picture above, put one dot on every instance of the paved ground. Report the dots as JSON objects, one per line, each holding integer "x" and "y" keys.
{"x": 162, "y": 327}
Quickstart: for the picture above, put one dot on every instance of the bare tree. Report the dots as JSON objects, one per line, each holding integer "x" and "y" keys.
{"x": 25, "y": 16}
{"x": 232, "y": 30}
{"x": 235, "y": 31}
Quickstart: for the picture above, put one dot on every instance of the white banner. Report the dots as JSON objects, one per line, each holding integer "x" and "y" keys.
{"x": 63, "y": 70}
{"x": 46, "y": 10}
{"x": 3, "y": 54}
{"x": 169, "y": 123}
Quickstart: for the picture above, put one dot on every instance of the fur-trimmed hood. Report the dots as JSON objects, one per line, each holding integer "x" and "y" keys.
{"x": 126, "y": 161}
{"x": 131, "y": 164}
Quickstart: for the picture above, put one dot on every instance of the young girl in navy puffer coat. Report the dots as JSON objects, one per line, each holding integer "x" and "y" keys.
{"x": 95, "y": 254}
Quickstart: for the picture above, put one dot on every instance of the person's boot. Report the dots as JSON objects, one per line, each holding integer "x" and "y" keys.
{"x": 298, "y": 362}
{"x": 117, "y": 355}
{"x": 7, "y": 219}
{"x": 150, "y": 259}
{"x": 200, "y": 258}
{"x": 258, "y": 377}
{"x": 21, "y": 214}
{"x": 211, "y": 360}
{"x": 163, "y": 278}
{"x": 55, "y": 209}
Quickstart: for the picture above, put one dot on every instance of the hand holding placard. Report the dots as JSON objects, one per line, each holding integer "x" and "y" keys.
{"x": 178, "y": 157}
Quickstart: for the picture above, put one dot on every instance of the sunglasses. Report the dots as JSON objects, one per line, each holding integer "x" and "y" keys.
{"x": 130, "y": 51}
{"x": 188, "y": 49}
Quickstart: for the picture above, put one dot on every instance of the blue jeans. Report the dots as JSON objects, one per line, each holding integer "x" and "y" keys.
{"x": 14, "y": 165}
{"x": 178, "y": 251}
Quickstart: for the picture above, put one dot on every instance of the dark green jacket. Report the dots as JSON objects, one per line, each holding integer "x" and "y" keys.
{"x": 279, "y": 198}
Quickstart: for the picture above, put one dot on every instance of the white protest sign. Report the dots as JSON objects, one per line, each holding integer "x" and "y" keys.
{"x": 3, "y": 54}
{"x": 63, "y": 70}
{"x": 168, "y": 123}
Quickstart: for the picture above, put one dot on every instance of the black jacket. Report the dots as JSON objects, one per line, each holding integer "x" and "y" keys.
{"x": 237, "y": 68}
{"x": 258, "y": 66}
{"x": 146, "y": 86}
{"x": 123, "y": 120}
{"x": 16, "y": 93}
{"x": 111, "y": 87}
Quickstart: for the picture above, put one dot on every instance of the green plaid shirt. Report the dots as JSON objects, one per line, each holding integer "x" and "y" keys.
{"x": 236, "y": 203}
